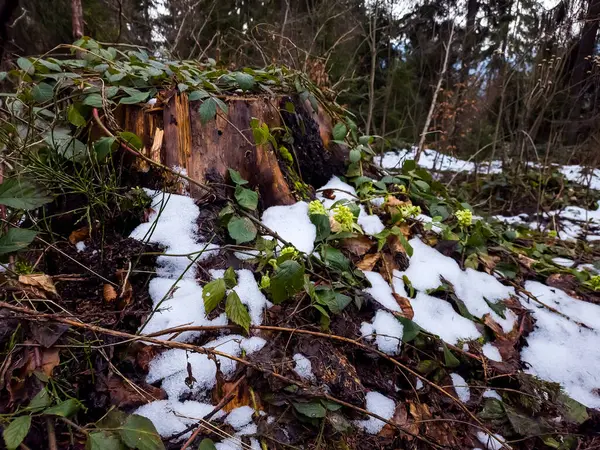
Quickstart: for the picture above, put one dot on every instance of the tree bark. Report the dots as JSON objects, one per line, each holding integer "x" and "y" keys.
{"x": 77, "y": 19}
{"x": 582, "y": 65}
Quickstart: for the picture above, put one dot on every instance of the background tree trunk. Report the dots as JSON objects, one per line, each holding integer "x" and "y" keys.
{"x": 77, "y": 19}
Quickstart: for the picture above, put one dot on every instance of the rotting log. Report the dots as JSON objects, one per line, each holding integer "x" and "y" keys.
{"x": 173, "y": 134}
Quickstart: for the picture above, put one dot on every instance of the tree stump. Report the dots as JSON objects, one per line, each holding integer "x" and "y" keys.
{"x": 174, "y": 135}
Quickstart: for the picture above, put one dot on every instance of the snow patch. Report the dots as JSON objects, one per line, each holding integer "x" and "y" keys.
{"x": 377, "y": 404}
{"x": 292, "y": 224}
{"x": 461, "y": 387}
{"x": 491, "y": 352}
{"x": 388, "y": 332}
{"x": 303, "y": 367}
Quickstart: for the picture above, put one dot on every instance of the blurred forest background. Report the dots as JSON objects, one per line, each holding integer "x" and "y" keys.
{"x": 518, "y": 77}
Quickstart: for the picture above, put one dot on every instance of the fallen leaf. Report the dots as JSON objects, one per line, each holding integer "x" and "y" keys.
{"x": 241, "y": 397}
{"x": 492, "y": 324}
{"x": 79, "y": 235}
{"x": 387, "y": 268}
{"x": 393, "y": 201}
{"x": 564, "y": 281}
{"x": 400, "y": 418}
{"x": 126, "y": 288}
{"x": 328, "y": 194}
{"x": 368, "y": 262}
{"x": 334, "y": 225}
{"x": 145, "y": 354}
{"x": 50, "y": 359}
{"x": 127, "y": 395}
{"x": 147, "y": 213}
{"x": 357, "y": 245}
{"x": 40, "y": 281}
{"x": 47, "y": 334}
{"x": 526, "y": 261}
{"x": 109, "y": 293}
{"x": 405, "y": 306}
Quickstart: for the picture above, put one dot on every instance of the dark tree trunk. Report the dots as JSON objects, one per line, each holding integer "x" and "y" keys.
{"x": 6, "y": 11}
{"x": 582, "y": 65}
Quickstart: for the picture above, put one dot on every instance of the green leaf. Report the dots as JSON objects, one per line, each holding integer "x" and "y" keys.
{"x": 410, "y": 329}
{"x": 449, "y": 359}
{"x": 75, "y": 117}
{"x": 321, "y": 222}
{"x": 208, "y": 110}
{"x": 198, "y": 95}
{"x": 572, "y": 410}
{"x": 405, "y": 244}
{"x": 26, "y": 65}
{"x": 524, "y": 424}
{"x": 236, "y": 311}
{"x": 230, "y": 278}
{"x": 497, "y": 307}
{"x": 22, "y": 194}
{"x": 50, "y": 65}
{"x": 287, "y": 281}
{"x": 334, "y": 258}
{"x": 245, "y": 81}
{"x": 335, "y": 301}
{"x": 339, "y": 132}
{"x": 40, "y": 401}
{"x": 64, "y": 409}
{"x": 42, "y": 92}
{"x": 355, "y": 155}
{"x": 226, "y": 214}
{"x": 93, "y": 100}
{"x": 15, "y": 239}
{"x": 104, "y": 147}
{"x": 134, "y": 98}
{"x": 16, "y": 431}
{"x": 213, "y": 293}
{"x": 66, "y": 146}
{"x": 493, "y": 409}
{"x": 3, "y": 76}
{"x": 182, "y": 87}
{"x": 312, "y": 410}
{"x": 222, "y": 106}
{"x": 241, "y": 229}
{"x": 207, "y": 444}
{"x": 427, "y": 366}
{"x": 132, "y": 139}
{"x": 421, "y": 185}
{"x": 236, "y": 177}
{"x": 246, "y": 198}
{"x": 139, "y": 433}
{"x": 103, "y": 440}
{"x": 331, "y": 406}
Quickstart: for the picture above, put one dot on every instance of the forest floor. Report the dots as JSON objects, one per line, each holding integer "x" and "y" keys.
{"x": 396, "y": 306}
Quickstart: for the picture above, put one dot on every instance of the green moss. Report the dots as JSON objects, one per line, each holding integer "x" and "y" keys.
{"x": 286, "y": 155}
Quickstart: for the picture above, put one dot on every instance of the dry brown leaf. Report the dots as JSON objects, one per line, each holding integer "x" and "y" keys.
{"x": 564, "y": 281}
{"x": 109, "y": 293}
{"x": 400, "y": 418}
{"x": 358, "y": 245}
{"x": 368, "y": 262}
{"x": 405, "y": 306}
{"x": 145, "y": 354}
{"x": 334, "y": 225}
{"x": 387, "y": 268}
{"x": 79, "y": 235}
{"x": 126, "y": 395}
{"x": 40, "y": 281}
{"x": 489, "y": 261}
{"x": 50, "y": 359}
{"x": 241, "y": 398}
{"x": 526, "y": 261}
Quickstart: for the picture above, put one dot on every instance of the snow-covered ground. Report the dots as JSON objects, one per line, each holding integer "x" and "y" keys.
{"x": 560, "y": 349}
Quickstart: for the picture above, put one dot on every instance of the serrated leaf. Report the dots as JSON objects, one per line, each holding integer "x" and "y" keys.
{"x": 26, "y": 65}
{"x": 64, "y": 409}
{"x": 287, "y": 281}
{"x": 246, "y": 198}
{"x": 207, "y": 110}
{"x": 93, "y": 100}
{"x": 236, "y": 177}
{"x": 132, "y": 139}
{"x": 15, "y": 239}
{"x": 40, "y": 401}
{"x": 339, "y": 131}
{"x": 213, "y": 293}
{"x": 449, "y": 359}
{"x": 22, "y": 194}
{"x": 103, "y": 440}
{"x": 16, "y": 431}
{"x": 75, "y": 117}
{"x": 312, "y": 410}
{"x": 207, "y": 444}
{"x": 493, "y": 409}
{"x": 236, "y": 311}
{"x": 245, "y": 81}
{"x": 139, "y": 433}
{"x": 221, "y": 104}
{"x": 230, "y": 278}
{"x": 42, "y": 92}
{"x": 104, "y": 147}
{"x": 241, "y": 229}
{"x": 572, "y": 409}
